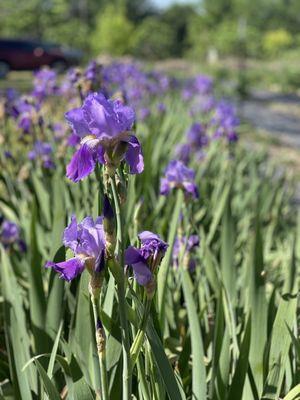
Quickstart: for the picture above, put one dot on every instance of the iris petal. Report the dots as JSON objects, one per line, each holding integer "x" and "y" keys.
{"x": 142, "y": 273}
{"x": 134, "y": 156}
{"x": 69, "y": 269}
{"x": 82, "y": 164}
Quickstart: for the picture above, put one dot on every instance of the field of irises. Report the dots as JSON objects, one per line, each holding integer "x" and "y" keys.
{"x": 145, "y": 252}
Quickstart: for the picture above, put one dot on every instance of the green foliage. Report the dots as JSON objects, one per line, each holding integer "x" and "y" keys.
{"x": 274, "y": 42}
{"x": 227, "y": 330}
{"x": 53, "y": 21}
{"x": 113, "y": 32}
{"x": 178, "y": 18}
{"x": 232, "y": 27}
{"x": 228, "y": 38}
{"x": 153, "y": 39}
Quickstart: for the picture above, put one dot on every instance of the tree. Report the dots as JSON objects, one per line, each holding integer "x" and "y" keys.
{"x": 178, "y": 18}
{"x": 153, "y": 39}
{"x": 113, "y": 33}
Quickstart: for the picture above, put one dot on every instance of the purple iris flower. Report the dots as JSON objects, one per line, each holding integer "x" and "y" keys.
{"x": 10, "y": 232}
{"x": 225, "y": 121}
{"x": 26, "y": 112}
{"x": 59, "y": 130}
{"x": 42, "y": 151}
{"x": 146, "y": 259}
{"x": 187, "y": 246}
{"x": 10, "y": 235}
{"x": 232, "y": 136}
{"x": 183, "y": 152}
{"x": 161, "y": 108}
{"x": 203, "y": 84}
{"x": 11, "y": 96}
{"x": 196, "y": 135}
{"x": 87, "y": 241}
{"x": 202, "y": 104}
{"x": 104, "y": 129}
{"x": 69, "y": 83}
{"x": 8, "y": 155}
{"x": 73, "y": 140}
{"x": 187, "y": 93}
{"x": 200, "y": 85}
{"x": 93, "y": 72}
{"x": 178, "y": 175}
{"x": 44, "y": 83}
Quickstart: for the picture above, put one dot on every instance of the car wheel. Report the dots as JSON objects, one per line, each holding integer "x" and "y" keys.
{"x": 59, "y": 66}
{"x": 4, "y": 69}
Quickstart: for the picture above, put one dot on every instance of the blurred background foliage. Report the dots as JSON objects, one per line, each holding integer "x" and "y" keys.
{"x": 255, "y": 43}
{"x": 258, "y": 28}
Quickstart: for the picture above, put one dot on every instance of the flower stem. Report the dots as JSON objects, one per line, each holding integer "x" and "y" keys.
{"x": 139, "y": 339}
{"x": 121, "y": 296}
{"x": 100, "y": 341}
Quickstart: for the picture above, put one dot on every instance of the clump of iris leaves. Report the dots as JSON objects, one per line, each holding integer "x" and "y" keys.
{"x": 226, "y": 330}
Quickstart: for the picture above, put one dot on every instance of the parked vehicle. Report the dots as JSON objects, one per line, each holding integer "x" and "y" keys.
{"x": 29, "y": 55}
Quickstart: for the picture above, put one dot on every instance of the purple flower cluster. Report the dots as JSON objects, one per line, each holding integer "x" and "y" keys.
{"x": 200, "y": 85}
{"x": 137, "y": 86}
{"x": 42, "y": 152}
{"x": 87, "y": 242}
{"x": 145, "y": 260}
{"x": 196, "y": 139}
{"x": 225, "y": 121}
{"x": 44, "y": 83}
{"x": 86, "y": 81}
{"x": 26, "y": 112}
{"x": 178, "y": 175}
{"x": 104, "y": 128}
{"x": 93, "y": 74}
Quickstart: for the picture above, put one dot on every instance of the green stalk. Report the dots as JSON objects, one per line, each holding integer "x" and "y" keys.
{"x": 100, "y": 341}
{"x": 127, "y": 371}
{"x": 141, "y": 374}
{"x": 139, "y": 338}
{"x": 163, "y": 272}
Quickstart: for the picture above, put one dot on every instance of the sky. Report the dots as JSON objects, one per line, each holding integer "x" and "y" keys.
{"x": 166, "y": 3}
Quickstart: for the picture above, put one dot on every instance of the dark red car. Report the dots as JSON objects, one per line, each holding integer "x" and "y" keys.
{"x": 29, "y": 55}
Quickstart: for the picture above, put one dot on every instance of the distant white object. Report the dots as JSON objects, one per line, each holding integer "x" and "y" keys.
{"x": 212, "y": 55}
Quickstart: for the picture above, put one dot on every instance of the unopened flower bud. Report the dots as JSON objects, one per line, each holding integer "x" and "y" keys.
{"x": 122, "y": 192}
{"x": 100, "y": 339}
{"x": 95, "y": 284}
{"x": 109, "y": 226}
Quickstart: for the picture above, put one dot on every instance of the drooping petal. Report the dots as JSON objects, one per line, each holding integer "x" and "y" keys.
{"x": 142, "y": 273}
{"x": 91, "y": 237}
{"x": 70, "y": 236}
{"x": 132, "y": 256}
{"x": 164, "y": 186}
{"x": 77, "y": 122}
{"x": 99, "y": 155}
{"x": 69, "y": 269}
{"x": 134, "y": 156}
{"x": 82, "y": 164}
{"x": 191, "y": 188}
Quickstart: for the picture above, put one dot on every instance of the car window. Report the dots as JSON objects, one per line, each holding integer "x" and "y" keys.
{"x": 17, "y": 45}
